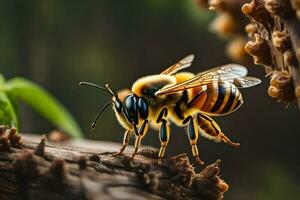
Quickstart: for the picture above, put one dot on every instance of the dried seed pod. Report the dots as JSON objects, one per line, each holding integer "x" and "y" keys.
{"x": 281, "y": 40}
{"x": 283, "y": 46}
{"x": 280, "y": 79}
{"x": 275, "y": 92}
{"x": 281, "y": 86}
{"x": 219, "y": 5}
{"x": 235, "y": 49}
{"x": 278, "y": 7}
{"x": 223, "y": 25}
{"x": 229, "y": 23}
{"x": 9, "y": 138}
{"x": 15, "y": 138}
{"x": 257, "y": 11}
{"x": 251, "y": 29}
{"x": 274, "y": 36}
{"x": 260, "y": 51}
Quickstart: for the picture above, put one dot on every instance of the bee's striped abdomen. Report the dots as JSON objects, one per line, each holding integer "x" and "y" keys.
{"x": 222, "y": 98}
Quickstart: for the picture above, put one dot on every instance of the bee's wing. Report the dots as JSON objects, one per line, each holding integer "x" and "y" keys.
{"x": 245, "y": 82}
{"x": 228, "y": 71}
{"x": 232, "y": 72}
{"x": 183, "y": 63}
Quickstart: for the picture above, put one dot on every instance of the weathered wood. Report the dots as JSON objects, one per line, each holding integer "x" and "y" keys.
{"x": 67, "y": 171}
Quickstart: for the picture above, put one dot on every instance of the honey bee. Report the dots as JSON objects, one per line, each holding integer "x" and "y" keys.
{"x": 183, "y": 98}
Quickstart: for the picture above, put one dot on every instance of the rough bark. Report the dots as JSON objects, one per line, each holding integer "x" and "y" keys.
{"x": 32, "y": 168}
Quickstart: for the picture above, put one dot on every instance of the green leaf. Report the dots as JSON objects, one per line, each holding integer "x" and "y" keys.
{"x": 2, "y": 79}
{"x": 44, "y": 103}
{"x": 8, "y": 115}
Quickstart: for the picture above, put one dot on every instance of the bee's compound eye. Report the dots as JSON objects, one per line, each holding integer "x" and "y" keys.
{"x": 131, "y": 108}
{"x": 118, "y": 106}
{"x": 143, "y": 108}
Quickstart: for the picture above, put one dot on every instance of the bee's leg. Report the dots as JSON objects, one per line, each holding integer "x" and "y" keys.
{"x": 139, "y": 136}
{"x": 193, "y": 137}
{"x": 164, "y": 133}
{"x": 126, "y": 138}
{"x": 164, "y": 136}
{"x": 213, "y": 129}
{"x": 226, "y": 140}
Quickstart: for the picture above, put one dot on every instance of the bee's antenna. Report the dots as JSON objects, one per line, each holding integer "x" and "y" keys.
{"x": 99, "y": 114}
{"x": 95, "y": 86}
{"x": 108, "y": 88}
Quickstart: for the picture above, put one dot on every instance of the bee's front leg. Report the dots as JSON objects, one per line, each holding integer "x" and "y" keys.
{"x": 139, "y": 136}
{"x": 126, "y": 139}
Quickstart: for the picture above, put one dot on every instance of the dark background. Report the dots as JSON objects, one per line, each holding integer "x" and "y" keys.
{"x": 57, "y": 44}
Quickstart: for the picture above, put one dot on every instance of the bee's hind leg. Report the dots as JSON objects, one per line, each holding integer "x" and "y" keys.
{"x": 211, "y": 128}
{"x": 139, "y": 136}
{"x": 126, "y": 138}
{"x": 226, "y": 140}
{"x": 193, "y": 137}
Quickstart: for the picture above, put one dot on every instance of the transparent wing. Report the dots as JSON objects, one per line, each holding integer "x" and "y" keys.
{"x": 232, "y": 72}
{"x": 245, "y": 82}
{"x": 183, "y": 63}
{"x": 228, "y": 71}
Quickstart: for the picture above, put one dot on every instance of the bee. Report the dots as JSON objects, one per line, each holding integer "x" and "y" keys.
{"x": 183, "y": 98}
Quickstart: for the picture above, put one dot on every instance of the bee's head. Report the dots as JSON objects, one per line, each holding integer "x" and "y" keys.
{"x": 132, "y": 107}
{"x": 128, "y": 107}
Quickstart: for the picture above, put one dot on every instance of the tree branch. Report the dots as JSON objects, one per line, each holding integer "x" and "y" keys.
{"x": 33, "y": 169}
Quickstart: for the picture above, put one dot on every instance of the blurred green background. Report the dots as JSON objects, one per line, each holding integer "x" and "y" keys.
{"x": 57, "y": 44}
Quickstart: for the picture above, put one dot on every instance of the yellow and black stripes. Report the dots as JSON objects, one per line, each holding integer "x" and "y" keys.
{"x": 222, "y": 98}
{"x": 235, "y": 100}
{"x": 222, "y": 93}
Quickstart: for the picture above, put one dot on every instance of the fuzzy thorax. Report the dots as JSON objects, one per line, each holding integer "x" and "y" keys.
{"x": 147, "y": 86}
